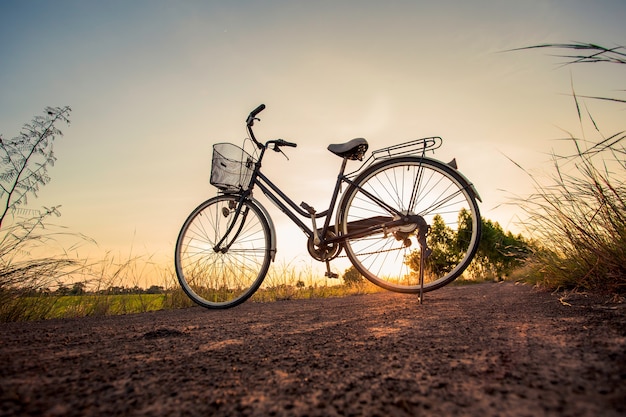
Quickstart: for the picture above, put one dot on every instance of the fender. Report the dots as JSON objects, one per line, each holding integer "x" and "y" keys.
{"x": 271, "y": 224}
{"x": 453, "y": 164}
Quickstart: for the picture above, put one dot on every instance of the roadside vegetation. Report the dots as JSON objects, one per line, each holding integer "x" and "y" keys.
{"x": 36, "y": 285}
{"x": 576, "y": 217}
{"x": 574, "y": 238}
{"x": 25, "y": 233}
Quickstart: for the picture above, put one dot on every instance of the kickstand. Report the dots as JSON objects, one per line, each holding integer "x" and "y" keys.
{"x": 425, "y": 252}
{"x": 422, "y": 265}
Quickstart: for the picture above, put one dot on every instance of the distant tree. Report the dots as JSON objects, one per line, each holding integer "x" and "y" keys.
{"x": 115, "y": 290}
{"x": 446, "y": 244}
{"x": 443, "y": 242}
{"x": 351, "y": 276}
{"x": 155, "y": 289}
{"x": 498, "y": 252}
{"x": 78, "y": 288}
{"x": 62, "y": 289}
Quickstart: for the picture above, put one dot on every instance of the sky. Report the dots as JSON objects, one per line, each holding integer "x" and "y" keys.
{"x": 154, "y": 84}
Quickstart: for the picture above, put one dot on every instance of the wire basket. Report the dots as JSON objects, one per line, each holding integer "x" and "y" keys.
{"x": 231, "y": 168}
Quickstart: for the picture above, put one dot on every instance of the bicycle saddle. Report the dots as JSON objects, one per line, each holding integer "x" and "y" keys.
{"x": 354, "y": 149}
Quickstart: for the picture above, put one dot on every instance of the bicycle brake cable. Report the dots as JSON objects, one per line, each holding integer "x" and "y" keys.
{"x": 277, "y": 149}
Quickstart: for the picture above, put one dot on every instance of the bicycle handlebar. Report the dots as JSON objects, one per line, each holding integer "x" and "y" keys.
{"x": 250, "y": 122}
{"x": 252, "y": 116}
{"x": 257, "y": 110}
{"x": 283, "y": 142}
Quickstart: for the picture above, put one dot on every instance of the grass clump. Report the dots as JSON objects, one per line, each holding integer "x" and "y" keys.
{"x": 25, "y": 275}
{"x": 578, "y": 221}
{"x": 577, "y": 217}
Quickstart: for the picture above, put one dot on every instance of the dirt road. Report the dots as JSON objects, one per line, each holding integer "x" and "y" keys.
{"x": 481, "y": 350}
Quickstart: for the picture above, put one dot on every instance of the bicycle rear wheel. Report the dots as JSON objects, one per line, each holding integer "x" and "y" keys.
{"x": 225, "y": 276}
{"x": 423, "y": 188}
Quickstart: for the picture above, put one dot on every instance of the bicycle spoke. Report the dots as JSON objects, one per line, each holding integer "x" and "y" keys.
{"x": 415, "y": 188}
{"x": 225, "y": 276}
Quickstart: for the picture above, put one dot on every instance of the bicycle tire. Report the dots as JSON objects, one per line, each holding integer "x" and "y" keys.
{"x": 416, "y": 186}
{"x": 218, "y": 279}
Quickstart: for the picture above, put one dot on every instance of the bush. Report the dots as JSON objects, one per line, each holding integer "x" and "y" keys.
{"x": 352, "y": 277}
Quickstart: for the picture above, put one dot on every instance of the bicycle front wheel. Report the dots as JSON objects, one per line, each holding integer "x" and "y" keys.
{"x": 424, "y": 189}
{"x": 222, "y": 253}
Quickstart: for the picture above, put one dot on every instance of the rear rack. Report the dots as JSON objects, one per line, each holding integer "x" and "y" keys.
{"x": 417, "y": 147}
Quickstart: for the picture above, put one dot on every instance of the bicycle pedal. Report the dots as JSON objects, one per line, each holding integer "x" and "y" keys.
{"x": 329, "y": 273}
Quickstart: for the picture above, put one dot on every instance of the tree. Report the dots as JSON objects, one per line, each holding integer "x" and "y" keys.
{"x": 25, "y": 159}
{"x": 499, "y": 252}
{"x": 497, "y": 255}
{"x": 79, "y": 288}
{"x": 442, "y": 242}
{"x": 446, "y": 244}
{"x": 155, "y": 289}
{"x": 62, "y": 289}
{"x": 352, "y": 277}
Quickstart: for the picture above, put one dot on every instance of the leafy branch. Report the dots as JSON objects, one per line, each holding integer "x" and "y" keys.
{"x": 24, "y": 160}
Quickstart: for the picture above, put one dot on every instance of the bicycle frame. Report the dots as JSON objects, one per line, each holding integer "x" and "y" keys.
{"x": 291, "y": 209}
{"x": 295, "y": 213}
{"x": 286, "y": 204}
{"x": 381, "y": 221}
{"x": 360, "y": 228}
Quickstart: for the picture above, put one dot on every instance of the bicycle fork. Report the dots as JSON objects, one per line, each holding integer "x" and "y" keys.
{"x": 226, "y": 212}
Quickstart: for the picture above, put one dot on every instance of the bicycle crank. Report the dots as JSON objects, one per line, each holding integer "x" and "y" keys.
{"x": 323, "y": 252}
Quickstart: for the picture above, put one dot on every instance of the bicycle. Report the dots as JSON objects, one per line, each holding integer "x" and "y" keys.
{"x": 397, "y": 197}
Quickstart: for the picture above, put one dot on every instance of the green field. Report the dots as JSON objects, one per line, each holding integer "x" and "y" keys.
{"x": 88, "y": 305}
{"x": 52, "y": 306}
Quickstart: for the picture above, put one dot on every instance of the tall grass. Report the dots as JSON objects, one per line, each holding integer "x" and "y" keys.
{"x": 102, "y": 281}
{"x": 577, "y": 215}
{"x": 37, "y": 297}
{"x": 578, "y": 221}
{"x": 24, "y": 271}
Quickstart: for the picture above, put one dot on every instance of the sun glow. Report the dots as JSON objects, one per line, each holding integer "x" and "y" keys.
{"x": 154, "y": 87}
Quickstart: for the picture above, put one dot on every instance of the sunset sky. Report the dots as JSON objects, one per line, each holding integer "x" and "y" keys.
{"x": 154, "y": 84}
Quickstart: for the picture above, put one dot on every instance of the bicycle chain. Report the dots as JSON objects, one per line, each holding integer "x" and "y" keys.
{"x": 371, "y": 253}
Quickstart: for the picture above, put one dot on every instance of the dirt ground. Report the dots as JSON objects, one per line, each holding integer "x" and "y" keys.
{"x": 480, "y": 350}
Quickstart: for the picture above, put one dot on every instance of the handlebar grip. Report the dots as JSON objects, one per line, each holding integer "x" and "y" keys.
{"x": 258, "y": 110}
{"x": 283, "y": 142}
